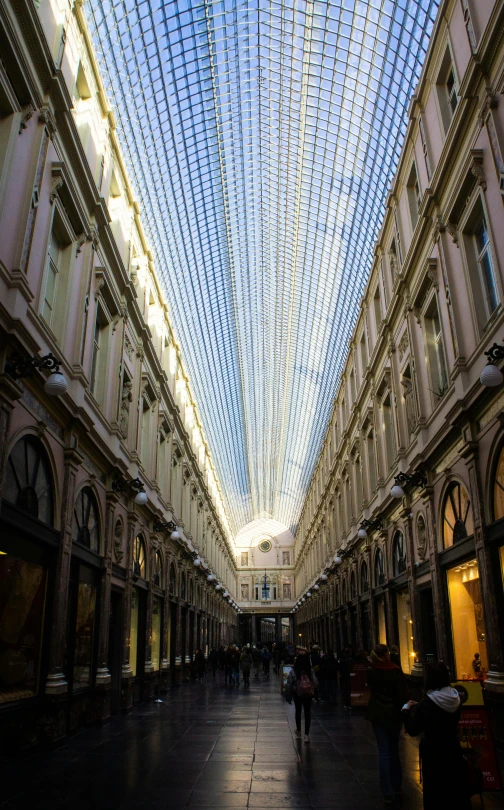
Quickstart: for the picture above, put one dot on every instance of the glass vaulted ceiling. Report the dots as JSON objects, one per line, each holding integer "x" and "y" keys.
{"x": 261, "y": 137}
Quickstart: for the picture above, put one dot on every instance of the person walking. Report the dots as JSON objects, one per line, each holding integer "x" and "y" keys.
{"x": 227, "y": 666}
{"x": 256, "y": 660}
{"x": 235, "y": 666}
{"x": 301, "y": 687}
{"x": 266, "y": 661}
{"x": 329, "y": 678}
{"x": 436, "y": 718}
{"x": 222, "y": 658}
{"x": 199, "y": 665}
{"x": 345, "y": 666}
{"x": 276, "y": 659}
{"x": 245, "y": 665}
{"x": 213, "y": 657}
{"x": 388, "y": 694}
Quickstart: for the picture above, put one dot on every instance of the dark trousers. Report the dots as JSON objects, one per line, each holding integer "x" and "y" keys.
{"x": 389, "y": 763}
{"x": 305, "y": 703}
{"x": 345, "y": 689}
{"x": 266, "y": 667}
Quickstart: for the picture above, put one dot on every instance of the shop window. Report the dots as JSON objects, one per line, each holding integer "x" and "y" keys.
{"x": 478, "y": 253}
{"x": 382, "y": 622}
{"x": 405, "y": 629}
{"x": 22, "y": 604}
{"x": 28, "y": 481}
{"x": 139, "y": 557}
{"x": 379, "y": 568}
{"x": 457, "y": 518}
{"x": 135, "y": 607}
{"x": 158, "y": 569}
{"x": 399, "y": 554}
{"x": 156, "y": 633}
{"x": 183, "y": 587}
{"x": 85, "y": 526}
{"x": 364, "y": 578}
{"x": 498, "y": 488}
{"x": 468, "y": 628}
{"x": 84, "y": 628}
{"x": 172, "y": 581}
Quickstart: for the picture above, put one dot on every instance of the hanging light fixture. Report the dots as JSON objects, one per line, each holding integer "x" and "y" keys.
{"x": 210, "y": 577}
{"x": 197, "y": 562}
{"x": 417, "y": 479}
{"x": 491, "y": 376}
{"x": 174, "y": 536}
{"x": 323, "y": 577}
{"x": 337, "y": 559}
{"x": 55, "y": 385}
{"x": 316, "y": 587}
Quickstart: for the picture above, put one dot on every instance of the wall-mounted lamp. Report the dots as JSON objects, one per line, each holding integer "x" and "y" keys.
{"x": 372, "y": 525}
{"x": 55, "y": 385}
{"x": 491, "y": 376}
{"x": 164, "y": 526}
{"x": 417, "y": 479}
{"x": 119, "y": 484}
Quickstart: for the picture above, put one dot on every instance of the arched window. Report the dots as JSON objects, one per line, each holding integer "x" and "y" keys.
{"x": 364, "y": 578}
{"x": 182, "y": 586}
{"x": 498, "y": 488}
{"x": 456, "y": 515}
{"x": 379, "y": 568}
{"x": 85, "y": 525}
{"x": 28, "y": 480}
{"x": 172, "y": 580}
{"x": 353, "y": 586}
{"x": 158, "y": 569}
{"x": 139, "y": 557}
{"x": 399, "y": 554}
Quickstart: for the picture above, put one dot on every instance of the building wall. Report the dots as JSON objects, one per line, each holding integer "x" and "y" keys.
{"x": 410, "y": 397}
{"x": 77, "y": 279}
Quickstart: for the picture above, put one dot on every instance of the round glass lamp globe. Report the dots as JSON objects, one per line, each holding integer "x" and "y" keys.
{"x": 491, "y": 376}
{"x": 337, "y": 559}
{"x": 197, "y": 562}
{"x": 141, "y": 498}
{"x": 397, "y": 491}
{"x": 316, "y": 587}
{"x": 175, "y": 536}
{"x": 56, "y": 385}
{"x": 323, "y": 577}
{"x": 362, "y": 533}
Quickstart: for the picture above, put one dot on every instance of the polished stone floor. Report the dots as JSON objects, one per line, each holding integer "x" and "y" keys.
{"x": 212, "y": 746}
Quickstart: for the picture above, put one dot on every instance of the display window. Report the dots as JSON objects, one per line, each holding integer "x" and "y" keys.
{"x": 381, "y": 620}
{"x": 468, "y": 628}
{"x": 501, "y": 555}
{"x": 156, "y": 633}
{"x": 134, "y": 631}
{"x": 499, "y": 488}
{"x": 23, "y": 588}
{"x": 405, "y": 628}
{"x": 84, "y": 628}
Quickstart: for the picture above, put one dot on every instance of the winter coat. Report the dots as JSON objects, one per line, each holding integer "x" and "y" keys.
{"x": 291, "y": 684}
{"x": 328, "y": 668}
{"x": 344, "y": 664}
{"x": 199, "y": 663}
{"x": 388, "y": 695}
{"x": 266, "y": 657}
{"x": 235, "y": 659}
{"x": 256, "y": 656}
{"x": 443, "y": 765}
{"x": 213, "y": 657}
{"x": 245, "y": 663}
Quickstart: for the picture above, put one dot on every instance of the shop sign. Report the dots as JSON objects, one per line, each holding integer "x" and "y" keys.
{"x": 475, "y": 733}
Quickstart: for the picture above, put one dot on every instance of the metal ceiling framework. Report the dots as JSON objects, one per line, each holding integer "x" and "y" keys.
{"x": 261, "y": 137}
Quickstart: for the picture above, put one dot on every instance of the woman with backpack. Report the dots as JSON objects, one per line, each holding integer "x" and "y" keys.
{"x": 301, "y": 685}
{"x": 436, "y": 718}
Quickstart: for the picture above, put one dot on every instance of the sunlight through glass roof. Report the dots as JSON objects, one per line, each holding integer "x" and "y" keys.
{"x": 262, "y": 138}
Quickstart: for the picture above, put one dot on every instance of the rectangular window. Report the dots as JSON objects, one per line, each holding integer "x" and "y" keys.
{"x": 99, "y": 356}
{"x": 51, "y": 282}
{"x": 156, "y": 633}
{"x": 377, "y": 309}
{"x": 468, "y": 628}
{"x": 479, "y": 260}
{"x": 84, "y": 628}
{"x": 382, "y": 624}
{"x": 436, "y": 361}
{"x": 424, "y": 147}
{"x": 388, "y": 432}
{"x": 363, "y": 354}
{"x": 414, "y": 196}
{"x": 371, "y": 459}
{"x": 447, "y": 90}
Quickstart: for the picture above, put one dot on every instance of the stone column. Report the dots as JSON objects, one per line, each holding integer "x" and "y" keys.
{"x": 126, "y": 672}
{"x": 103, "y": 677}
{"x": 417, "y": 668}
{"x": 56, "y": 683}
{"x": 254, "y": 629}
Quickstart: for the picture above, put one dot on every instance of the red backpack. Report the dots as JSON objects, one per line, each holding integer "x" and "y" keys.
{"x": 304, "y": 687}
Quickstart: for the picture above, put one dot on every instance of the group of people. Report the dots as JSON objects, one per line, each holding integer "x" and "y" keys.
{"x": 232, "y": 660}
{"x": 446, "y": 773}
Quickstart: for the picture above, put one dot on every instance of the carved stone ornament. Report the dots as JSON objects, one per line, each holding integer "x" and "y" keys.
{"x": 128, "y": 347}
{"x": 47, "y": 118}
{"x": 452, "y": 230}
{"x": 402, "y": 346}
{"x": 26, "y": 113}
{"x": 421, "y": 538}
{"x": 56, "y": 184}
{"x": 99, "y": 284}
{"x": 479, "y": 173}
{"x": 118, "y": 541}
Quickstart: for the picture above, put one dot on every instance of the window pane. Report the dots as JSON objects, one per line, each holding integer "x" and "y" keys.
{"x": 499, "y": 488}
{"x": 467, "y": 619}
{"x": 405, "y": 626}
{"x": 22, "y": 604}
{"x": 84, "y": 629}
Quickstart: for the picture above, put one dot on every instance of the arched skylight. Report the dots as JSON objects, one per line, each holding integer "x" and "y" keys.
{"x": 262, "y": 137}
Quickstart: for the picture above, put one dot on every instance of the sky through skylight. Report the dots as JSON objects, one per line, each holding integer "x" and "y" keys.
{"x": 262, "y": 138}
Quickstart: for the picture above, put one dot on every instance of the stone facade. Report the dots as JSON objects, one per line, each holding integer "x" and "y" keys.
{"x": 99, "y": 607}
{"x": 426, "y": 574}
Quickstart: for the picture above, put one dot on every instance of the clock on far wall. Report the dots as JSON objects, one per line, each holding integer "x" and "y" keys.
{"x": 265, "y": 545}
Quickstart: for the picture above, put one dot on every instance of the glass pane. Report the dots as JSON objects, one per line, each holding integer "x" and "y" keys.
{"x": 156, "y": 633}
{"x": 488, "y": 281}
{"x": 405, "y": 627}
{"x": 22, "y": 605}
{"x": 468, "y": 629}
{"x": 382, "y": 624}
{"x": 134, "y": 632}
{"x": 448, "y": 523}
{"x": 84, "y": 629}
{"x": 481, "y": 234}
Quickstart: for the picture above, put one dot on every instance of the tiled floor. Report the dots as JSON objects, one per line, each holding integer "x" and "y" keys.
{"x": 212, "y": 746}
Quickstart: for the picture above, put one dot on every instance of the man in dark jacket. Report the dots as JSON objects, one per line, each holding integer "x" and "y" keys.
{"x": 388, "y": 695}
{"x": 213, "y": 657}
{"x": 329, "y": 677}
